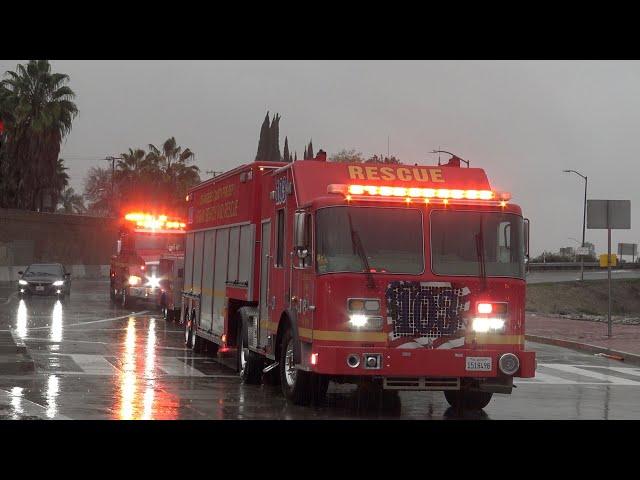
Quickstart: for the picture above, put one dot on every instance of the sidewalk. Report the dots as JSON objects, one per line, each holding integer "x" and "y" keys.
{"x": 585, "y": 335}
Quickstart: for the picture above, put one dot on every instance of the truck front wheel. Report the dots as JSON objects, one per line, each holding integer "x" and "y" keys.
{"x": 467, "y": 400}
{"x": 295, "y": 383}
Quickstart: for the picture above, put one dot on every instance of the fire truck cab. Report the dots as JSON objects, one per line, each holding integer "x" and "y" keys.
{"x": 393, "y": 276}
{"x": 134, "y": 270}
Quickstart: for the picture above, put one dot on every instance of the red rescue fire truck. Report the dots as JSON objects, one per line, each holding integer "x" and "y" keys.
{"x": 394, "y": 276}
{"x": 143, "y": 239}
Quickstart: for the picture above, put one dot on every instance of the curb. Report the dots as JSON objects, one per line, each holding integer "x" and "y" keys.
{"x": 583, "y": 347}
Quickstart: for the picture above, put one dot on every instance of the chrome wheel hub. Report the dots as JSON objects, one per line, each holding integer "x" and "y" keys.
{"x": 290, "y": 371}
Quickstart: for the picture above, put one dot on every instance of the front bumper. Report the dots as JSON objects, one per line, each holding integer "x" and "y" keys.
{"x": 144, "y": 293}
{"x": 47, "y": 289}
{"x": 396, "y": 362}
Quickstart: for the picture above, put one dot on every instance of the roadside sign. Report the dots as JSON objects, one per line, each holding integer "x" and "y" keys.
{"x": 582, "y": 250}
{"x": 628, "y": 249}
{"x": 614, "y": 214}
{"x": 613, "y": 260}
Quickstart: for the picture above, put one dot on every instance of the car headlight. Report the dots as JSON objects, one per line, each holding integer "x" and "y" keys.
{"x": 134, "y": 280}
{"x": 58, "y": 283}
{"x": 487, "y": 324}
{"x": 23, "y": 282}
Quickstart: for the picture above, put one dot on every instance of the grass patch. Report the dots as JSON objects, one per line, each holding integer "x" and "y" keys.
{"x": 589, "y": 297}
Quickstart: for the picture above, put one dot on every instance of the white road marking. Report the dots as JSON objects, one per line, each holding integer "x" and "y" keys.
{"x": 545, "y": 378}
{"x": 174, "y": 366}
{"x": 576, "y": 370}
{"x": 94, "y": 364}
{"x": 48, "y": 327}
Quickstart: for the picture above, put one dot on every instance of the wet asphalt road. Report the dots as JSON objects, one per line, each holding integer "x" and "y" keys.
{"x": 98, "y": 361}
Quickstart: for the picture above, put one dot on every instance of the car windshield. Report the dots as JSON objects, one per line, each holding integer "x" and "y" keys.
{"x": 43, "y": 271}
{"x": 462, "y": 240}
{"x": 388, "y": 239}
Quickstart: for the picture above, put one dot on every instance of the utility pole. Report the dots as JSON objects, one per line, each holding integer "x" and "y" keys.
{"x": 113, "y": 190}
{"x": 584, "y": 219}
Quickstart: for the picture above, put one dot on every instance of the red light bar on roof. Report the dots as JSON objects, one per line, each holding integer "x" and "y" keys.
{"x": 152, "y": 222}
{"x": 408, "y": 193}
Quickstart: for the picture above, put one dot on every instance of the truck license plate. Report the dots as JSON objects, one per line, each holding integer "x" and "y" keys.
{"x": 479, "y": 364}
{"x": 39, "y": 288}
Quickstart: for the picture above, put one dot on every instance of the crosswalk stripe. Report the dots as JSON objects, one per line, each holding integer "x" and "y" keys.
{"x": 174, "y": 366}
{"x": 546, "y": 378}
{"x": 587, "y": 373}
{"x": 93, "y": 364}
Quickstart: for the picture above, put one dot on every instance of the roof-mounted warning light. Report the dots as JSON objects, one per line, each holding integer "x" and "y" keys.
{"x": 153, "y": 222}
{"x": 377, "y": 192}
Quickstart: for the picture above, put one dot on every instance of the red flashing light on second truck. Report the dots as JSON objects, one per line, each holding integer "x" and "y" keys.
{"x": 403, "y": 278}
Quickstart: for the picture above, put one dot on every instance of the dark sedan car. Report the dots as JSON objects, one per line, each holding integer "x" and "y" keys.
{"x": 44, "y": 279}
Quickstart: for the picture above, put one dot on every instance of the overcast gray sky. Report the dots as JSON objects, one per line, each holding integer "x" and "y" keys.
{"x": 522, "y": 121}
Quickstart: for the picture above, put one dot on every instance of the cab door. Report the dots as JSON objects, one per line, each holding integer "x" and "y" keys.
{"x": 303, "y": 275}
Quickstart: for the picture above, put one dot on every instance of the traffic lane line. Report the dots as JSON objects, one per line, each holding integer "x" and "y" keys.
{"x": 48, "y": 327}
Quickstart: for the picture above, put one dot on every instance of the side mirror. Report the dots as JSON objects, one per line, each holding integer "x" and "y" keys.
{"x": 119, "y": 246}
{"x": 526, "y": 237}
{"x": 20, "y": 272}
{"x": 67, "y": 275}
{"x": 300, "y": 239}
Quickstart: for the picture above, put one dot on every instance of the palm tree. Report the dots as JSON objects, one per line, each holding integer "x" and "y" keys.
{"x": 97, "y": 190}
{"x": 38, "y": 109}
{"x": 71, "y": 202}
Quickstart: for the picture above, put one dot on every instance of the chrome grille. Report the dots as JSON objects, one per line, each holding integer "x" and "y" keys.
{"x": 425, "y": 309}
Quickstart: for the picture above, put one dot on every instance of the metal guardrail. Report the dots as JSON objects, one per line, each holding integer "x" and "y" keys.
{"x": 539, "y": 266}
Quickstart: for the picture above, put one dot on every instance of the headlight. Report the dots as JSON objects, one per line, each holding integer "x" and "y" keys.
{"x": 134, "y": 280}
{"x": 58, "y": 283}
{"x": 153, "y": 282}
{"x": 359, "y": 321}
{"x": 23, "y": 282}
{"x": 486, "y": 324}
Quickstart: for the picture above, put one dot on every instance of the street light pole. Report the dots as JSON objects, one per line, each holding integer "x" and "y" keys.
{"x": 584, "y": 219}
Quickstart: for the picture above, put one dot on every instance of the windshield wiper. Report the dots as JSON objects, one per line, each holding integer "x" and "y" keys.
{"x": 357, "y": 245}
{"x": 480, "y": 253}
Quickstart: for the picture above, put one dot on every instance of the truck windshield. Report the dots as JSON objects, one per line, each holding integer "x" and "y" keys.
{"x": 390, "y": 238}
{"x": 154, "y": 241}
{"x": 454, "y": 244}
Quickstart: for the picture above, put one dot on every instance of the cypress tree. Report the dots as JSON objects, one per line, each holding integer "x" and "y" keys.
{"x": 295, "y": 157}
{"x": 310, "y": 151}
{"x": 275, "y": 140}
{"x": 264, "y": 140}
{"x": 286, "y": 156}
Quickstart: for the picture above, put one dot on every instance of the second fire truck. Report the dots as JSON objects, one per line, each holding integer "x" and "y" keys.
{"x": 134, "y": 270}
{"x": 393, "y": 276}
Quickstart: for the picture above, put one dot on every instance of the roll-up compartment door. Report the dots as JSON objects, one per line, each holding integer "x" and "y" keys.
{"x": 219, "y": 279}
{"x": 206, "y": 305}
{"x": 188, "y": 263}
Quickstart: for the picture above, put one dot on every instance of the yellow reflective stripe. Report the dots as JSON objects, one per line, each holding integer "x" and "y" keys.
{"x": 332, "y": 334}
{"x": 344, "y": 336}
{"x": 495, "y": 339}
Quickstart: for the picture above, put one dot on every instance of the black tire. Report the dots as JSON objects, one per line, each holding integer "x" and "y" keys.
{"x": 467, "y": 400}
{"x": 295, "y": 384}
{"x": 251, "y": 372}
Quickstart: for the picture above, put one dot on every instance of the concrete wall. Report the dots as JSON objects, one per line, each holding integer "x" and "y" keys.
{"x": 83, "y": 244}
